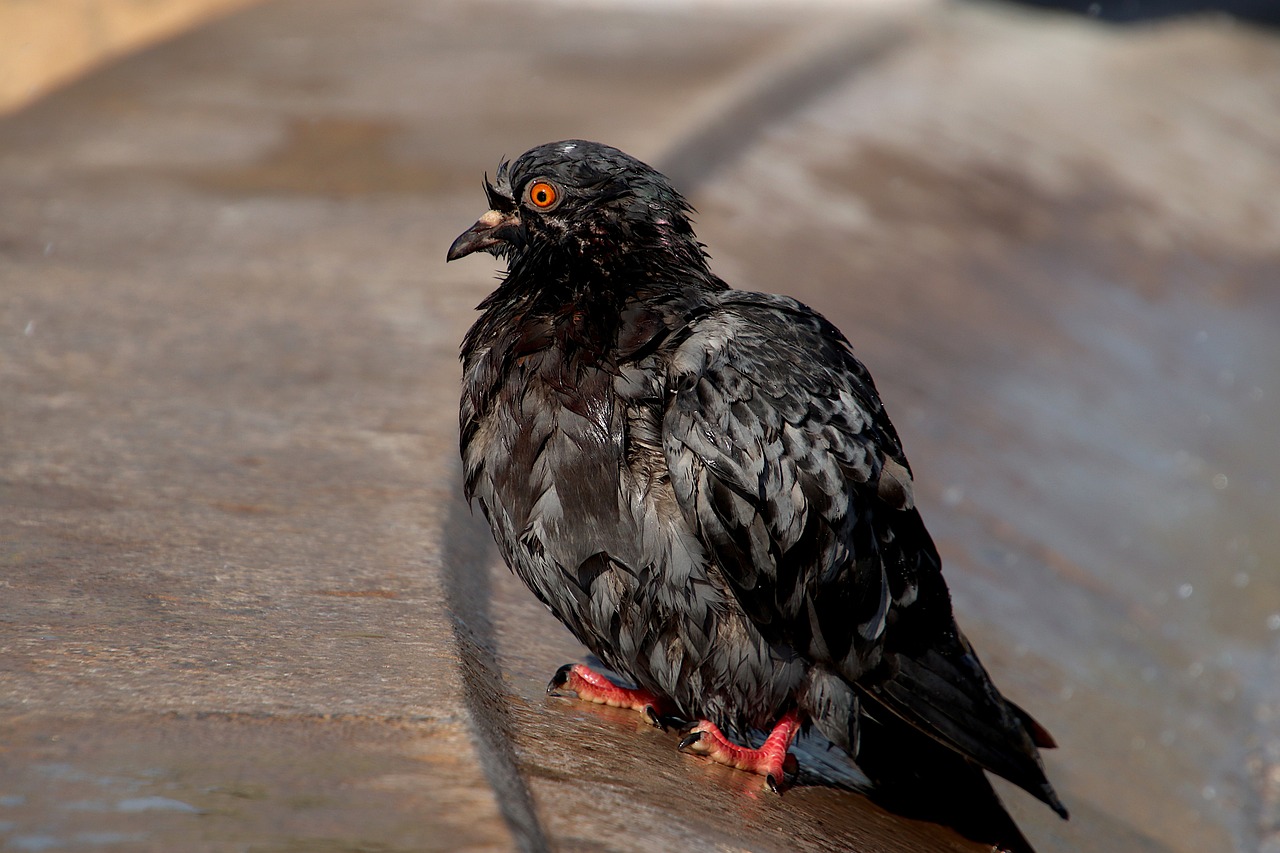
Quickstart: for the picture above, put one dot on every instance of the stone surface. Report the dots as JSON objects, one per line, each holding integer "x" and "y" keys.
{"x": 46, "y": 45}
{"x": 243, "y": 605}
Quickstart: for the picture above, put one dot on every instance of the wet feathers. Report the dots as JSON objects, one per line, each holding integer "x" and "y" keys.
{"x": 701, "y": 483}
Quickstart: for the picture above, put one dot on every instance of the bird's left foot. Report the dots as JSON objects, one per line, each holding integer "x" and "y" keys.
{"x": 771, "y": 760}
{"x": 590, "y": 686}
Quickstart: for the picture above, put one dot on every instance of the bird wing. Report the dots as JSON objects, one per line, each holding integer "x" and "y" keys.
{"x": 782, "y": 459}
{"x": 787, "y": 467}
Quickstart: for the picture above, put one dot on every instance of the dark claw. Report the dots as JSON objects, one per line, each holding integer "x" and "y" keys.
{"x": 558, "y": 680}
{"x": 689, "y": 740}
{"x": 772, "y": 784}
{"x": 666, "y": 722}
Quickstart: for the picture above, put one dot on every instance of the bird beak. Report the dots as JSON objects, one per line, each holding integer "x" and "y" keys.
{"x": 492, "y": 229}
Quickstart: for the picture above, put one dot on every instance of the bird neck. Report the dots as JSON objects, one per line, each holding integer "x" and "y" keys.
{"x": 601, "y": 282}
{"x": 581, "y": 308}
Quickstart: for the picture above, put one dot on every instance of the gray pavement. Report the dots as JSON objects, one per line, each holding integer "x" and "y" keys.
{"x": 242, "y": 605}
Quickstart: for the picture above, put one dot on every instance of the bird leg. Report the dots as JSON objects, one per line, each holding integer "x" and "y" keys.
{"x": 590, "y": 686}
{"x": 769, "y": 761}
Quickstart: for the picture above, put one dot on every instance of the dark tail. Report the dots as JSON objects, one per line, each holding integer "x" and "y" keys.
{"x": 917, "y": 777}
{"x": 945, "y": 693}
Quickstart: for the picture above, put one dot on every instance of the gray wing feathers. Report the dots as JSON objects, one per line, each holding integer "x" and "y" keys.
{"x": 775, "y": 443}
{"x": 784, "y": 462}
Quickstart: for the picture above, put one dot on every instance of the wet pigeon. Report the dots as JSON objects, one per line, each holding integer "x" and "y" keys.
{"x": 702, "y": 484}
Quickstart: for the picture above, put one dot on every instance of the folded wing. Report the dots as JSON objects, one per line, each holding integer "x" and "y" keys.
{"x": 788, "y": 469}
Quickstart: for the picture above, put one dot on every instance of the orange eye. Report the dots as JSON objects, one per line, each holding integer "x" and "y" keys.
{"x": 543, "y": 194}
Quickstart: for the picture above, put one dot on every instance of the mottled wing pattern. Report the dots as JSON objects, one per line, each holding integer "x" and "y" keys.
{"x": 792, "y": 475}
{"x": 782, "y": 458}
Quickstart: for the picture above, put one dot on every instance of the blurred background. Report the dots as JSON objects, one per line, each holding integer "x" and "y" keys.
{"x": 46, "y": 44}
{"x": 242, "y": 604}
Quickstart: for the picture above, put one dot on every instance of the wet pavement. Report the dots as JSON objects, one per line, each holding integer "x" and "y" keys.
{"x": 242, "y": 605}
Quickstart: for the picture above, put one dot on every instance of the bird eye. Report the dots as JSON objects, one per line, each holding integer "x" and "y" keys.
{"x": 543, "y": 194}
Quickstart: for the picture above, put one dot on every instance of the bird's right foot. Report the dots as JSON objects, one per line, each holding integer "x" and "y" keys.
{"x": 590, "y": 686}
{"x": 771, "y": 760}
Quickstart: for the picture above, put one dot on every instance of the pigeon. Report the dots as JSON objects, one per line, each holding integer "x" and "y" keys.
{"x": 703, "y": 486}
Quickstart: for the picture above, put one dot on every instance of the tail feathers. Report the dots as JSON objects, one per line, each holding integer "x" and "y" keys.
{"x": 918, "y": 777}
{"x": 1039, "y": 734}
{"x": 950, "y": 698}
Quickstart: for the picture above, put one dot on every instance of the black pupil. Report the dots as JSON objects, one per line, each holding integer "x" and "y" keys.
{"x": 541, "y": 196}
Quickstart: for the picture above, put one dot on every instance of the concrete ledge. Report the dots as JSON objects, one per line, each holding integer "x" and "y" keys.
{"x": 243, "y": 602}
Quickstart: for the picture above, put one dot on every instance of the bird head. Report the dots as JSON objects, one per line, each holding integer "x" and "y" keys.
{"x": 580, "y": 202}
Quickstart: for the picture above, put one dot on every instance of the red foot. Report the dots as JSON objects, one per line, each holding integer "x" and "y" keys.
{"x": 769, "y": 761}
{"x": 591, "y": 686}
